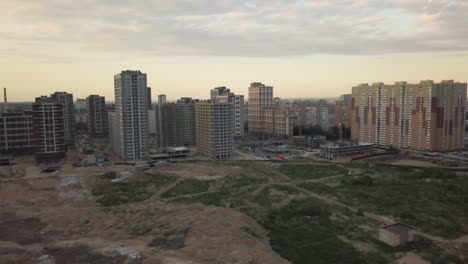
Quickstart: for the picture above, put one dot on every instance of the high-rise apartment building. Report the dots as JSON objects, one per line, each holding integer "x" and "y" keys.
{"x": 280, "y": 121}
{"x": 49, "y": 130}
{"x": 81, "y": 111}
{"x": 162, "y": 99}
{"x": 214, "y": 129}
{"x": 321, "y": 114}
{"x": 176, "y": 123}
{"x": 66, "y": 100}
{"x": 260, "y": 97}
{"x": 98, "y": 126}
{"x": 343, "y": 110}
{"x": 426, "y": 116}
{"x": 128, "y": 123}
{"x": 16, "y": 133}
{"x": 223, "y": 94}
{"x": 150, "y": 98}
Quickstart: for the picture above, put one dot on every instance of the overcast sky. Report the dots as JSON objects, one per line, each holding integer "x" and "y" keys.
{"x": 313, "y": 48}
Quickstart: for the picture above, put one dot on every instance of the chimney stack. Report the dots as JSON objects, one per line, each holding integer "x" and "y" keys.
{"x": 5, "y": 99}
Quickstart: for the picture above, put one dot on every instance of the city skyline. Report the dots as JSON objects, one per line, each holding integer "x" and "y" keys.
{"x": 303, "y": 49}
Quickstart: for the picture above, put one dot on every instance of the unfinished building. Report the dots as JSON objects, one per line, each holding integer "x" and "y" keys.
{"x": 175, "y": 124}
{"x": 309, "y": 142}
{"x": 340, "y": 150}
{"x": 16, "y": 133}
{"x": 49, "y": 130}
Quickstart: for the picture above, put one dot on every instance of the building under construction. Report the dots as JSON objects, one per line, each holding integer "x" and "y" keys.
{"x": 175, "y": 123}
{"x": 309, "y": 142}
{"x": 341, "y": 150}
{"x": 16, "y": 133}
{"x": 49, "y": 130}
{"x": 279, "y": 121}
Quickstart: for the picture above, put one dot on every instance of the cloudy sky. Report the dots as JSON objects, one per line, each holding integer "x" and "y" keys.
{"x": 313, "y": 48}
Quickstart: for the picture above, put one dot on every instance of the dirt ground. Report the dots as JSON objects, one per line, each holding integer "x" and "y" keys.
{"x": 53, "y": 218}
{"x": 411, "y": 258}
{"x": 200, "y": 171}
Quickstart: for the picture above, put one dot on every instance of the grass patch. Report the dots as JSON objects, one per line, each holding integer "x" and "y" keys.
{"x": 117, "y": 193}
{"x": 188, "y": 186}
{"x": 286, "y": 189}
{"x": 305, "y": 172}
{"x": 317, "y": 187}
{"x": 232, "y": 198}
{"x": 432, "y": 200}
{"x": 302, "y": 233}
{"x": 238, "y": 181}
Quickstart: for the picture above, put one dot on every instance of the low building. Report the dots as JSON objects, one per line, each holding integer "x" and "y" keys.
{"x": 396, "y": 234}
{"x": 340, "y": 150}
{"x": 309, "y": 142}
{"x": 276, "y": 151}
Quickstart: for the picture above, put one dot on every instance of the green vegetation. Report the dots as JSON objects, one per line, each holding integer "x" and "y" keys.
{"x": 431, "y": 199}
{"x": 187, "y": 186}
{"x": 317, "y": 187}
{"x": 266, "y": 199}
{"x": 232, "y": 197}
{"x": 116, "y": 193}
{"x": 109, "y": 175}
{"x": 305, "y": 172}
{"x": 309, "y": 231}
{"x": 302, "y": 232}
{"x": 286, "y": 189}
{"x": 238, "y": 181}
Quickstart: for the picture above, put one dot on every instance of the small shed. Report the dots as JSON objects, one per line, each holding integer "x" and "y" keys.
{"x": 396, "y": 234}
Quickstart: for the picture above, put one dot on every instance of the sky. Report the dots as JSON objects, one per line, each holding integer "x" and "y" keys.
{"x": 313, "y": 48}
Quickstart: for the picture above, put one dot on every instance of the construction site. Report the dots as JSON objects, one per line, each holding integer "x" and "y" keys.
{"x": 236, "y": 211}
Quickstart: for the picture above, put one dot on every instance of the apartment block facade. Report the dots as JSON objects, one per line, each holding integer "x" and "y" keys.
{"x": 343, "y": 110}
{"x": 16, "y": 133}
{"x": 280, "y": 121}
{"x": 214, "y": 129}
{"x": 128, "y": 123}
{"x": 98, "y": 125}
{"x": 223, "y": 94}
{"x": 260, "y": 98}
{"x": 67, "y": 102}
{"x": 175, "y": 124}
{"x": 50, "y": 142}
{"x": 427, "y": 116}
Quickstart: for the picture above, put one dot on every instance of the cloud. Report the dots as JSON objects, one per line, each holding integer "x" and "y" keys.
{"x": 238, "y": 28}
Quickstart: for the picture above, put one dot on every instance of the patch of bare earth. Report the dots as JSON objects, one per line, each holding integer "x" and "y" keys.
{"x": 56, "y": 220}
{"x": 411, "y": 258}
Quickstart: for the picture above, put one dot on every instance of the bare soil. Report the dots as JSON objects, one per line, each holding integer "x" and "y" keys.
{"x": 54, "y": 219}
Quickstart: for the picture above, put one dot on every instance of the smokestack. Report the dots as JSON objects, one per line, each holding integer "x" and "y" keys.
{"x": 5, "y": 99}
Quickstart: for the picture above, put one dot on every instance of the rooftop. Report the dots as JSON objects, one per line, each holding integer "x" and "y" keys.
{"x": 398, "y": 228}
